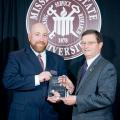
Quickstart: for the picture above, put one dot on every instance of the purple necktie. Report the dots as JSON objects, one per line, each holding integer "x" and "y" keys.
{"x": 41, "y": 61}
{"x": 82, "y": 73}
{"x": 84, "y": 69}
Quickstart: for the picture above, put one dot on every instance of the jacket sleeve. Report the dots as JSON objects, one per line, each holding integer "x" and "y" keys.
{"x": 13, "y": 79}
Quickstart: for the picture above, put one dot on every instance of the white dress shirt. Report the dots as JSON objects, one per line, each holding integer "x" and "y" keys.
{"x": 43, "y": 57}
{"x": 90, "y": 61}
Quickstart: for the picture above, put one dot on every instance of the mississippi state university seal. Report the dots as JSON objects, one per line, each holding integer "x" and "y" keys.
{"x": 65, "y": 20}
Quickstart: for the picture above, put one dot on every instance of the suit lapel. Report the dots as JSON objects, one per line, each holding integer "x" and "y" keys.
{"x": 48, "y": 61}
{"x": 87, "y": 74}
{"x": 34, "y": 60}
{"x": 50, "y": 66}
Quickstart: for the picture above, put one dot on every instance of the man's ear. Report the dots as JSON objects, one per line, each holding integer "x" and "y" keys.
{"x": 101, "y": 44}
{"x": 29, "y": 36}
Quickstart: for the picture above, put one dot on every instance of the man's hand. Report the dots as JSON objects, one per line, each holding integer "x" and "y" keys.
{"x": 44, "y": 76}
{"x": 55, "y": 98}
{"x": 70, "y": 100}
{"x": 66, "y": 82}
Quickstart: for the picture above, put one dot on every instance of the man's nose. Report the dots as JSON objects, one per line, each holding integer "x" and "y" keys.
{"x": 41, "y": 38}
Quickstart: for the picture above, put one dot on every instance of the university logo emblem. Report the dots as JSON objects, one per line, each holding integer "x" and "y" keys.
{"x": 65, "y": 20}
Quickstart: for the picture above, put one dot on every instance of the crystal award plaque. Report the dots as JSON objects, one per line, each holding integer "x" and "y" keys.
{"x": 54, "y": 85}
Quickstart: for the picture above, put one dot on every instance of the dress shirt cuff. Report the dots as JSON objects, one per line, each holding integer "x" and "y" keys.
{"x": 37, "y": 82}
{"x": 76, "y": 100}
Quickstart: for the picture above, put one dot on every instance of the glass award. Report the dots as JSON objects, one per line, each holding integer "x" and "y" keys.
{"x": 56, "y": 86}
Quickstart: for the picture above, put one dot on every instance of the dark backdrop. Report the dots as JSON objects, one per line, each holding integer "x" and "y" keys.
{"x": 13, "y": 37}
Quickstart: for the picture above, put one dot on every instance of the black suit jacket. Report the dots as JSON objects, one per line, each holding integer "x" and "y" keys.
{"x": 29, "y": 101}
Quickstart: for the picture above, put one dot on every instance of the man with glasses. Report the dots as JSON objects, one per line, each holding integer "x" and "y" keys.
{"x": 27, "y": 74}
{"x": 95, "y": 89}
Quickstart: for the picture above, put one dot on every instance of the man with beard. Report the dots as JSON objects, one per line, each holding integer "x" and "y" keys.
{"x": 28, "y": 78}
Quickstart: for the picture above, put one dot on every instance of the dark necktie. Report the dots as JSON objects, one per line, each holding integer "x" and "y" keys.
{"x": 84, "y": 69}
{"x": 41, "y": 61}
{"x": 82, "y": 73}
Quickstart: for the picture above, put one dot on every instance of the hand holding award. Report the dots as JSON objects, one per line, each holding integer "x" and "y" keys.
{"x": 56, "y": 86}
{"x": 59, "y": 87}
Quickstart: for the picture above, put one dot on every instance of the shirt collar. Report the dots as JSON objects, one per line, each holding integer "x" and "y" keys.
{"x": 90, "y": 61}
{"x": 43, "y": 54}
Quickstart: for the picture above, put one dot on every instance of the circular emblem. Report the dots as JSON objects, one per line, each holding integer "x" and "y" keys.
{"x": 65, "y": 20}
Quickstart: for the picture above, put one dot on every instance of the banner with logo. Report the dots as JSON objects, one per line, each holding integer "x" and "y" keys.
{"x": 65, "y": 20}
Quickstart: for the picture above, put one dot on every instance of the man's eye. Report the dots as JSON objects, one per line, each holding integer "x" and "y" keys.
{"x": 45, "y": 35}
{"x": 37, "y": 34}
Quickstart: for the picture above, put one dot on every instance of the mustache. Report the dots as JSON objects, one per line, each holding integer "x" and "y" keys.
{"x": 40, "y": 42}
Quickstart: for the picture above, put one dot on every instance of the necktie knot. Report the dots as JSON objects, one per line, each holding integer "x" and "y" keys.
{"x": 39, "y": 55}
{"x": 41, "y": 61}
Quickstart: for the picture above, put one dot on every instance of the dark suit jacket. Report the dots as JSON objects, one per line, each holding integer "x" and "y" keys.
{"x": 29, "y": 101}
{"x": 96, "y": 92}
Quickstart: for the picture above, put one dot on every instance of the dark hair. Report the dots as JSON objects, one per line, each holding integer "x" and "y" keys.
{"x": 95, "y": 32}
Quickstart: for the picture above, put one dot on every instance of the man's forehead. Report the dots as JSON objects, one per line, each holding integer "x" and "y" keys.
{"x": 39, "y": 28}
{"x": 89, "y": 37}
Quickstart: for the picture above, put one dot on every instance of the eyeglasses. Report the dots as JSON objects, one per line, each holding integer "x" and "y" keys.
{"x": 88, "y": 43}
{"x": 40, "y": 35}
